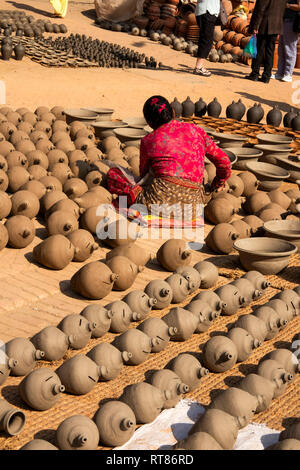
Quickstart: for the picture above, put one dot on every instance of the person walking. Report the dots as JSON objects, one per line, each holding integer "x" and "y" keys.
{"x": 207, "y": 12}
{"x": 266, "y": 22}
{"x": 287, "y": 46}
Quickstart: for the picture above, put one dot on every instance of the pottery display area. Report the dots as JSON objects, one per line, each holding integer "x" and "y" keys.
{"x": 116, "y": 343}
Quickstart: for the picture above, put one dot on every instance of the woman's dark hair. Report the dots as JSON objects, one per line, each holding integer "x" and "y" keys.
{"x": 157, "y": 111}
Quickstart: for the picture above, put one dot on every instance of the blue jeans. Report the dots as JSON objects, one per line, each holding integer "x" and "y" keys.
{"x": 287, "y": 49}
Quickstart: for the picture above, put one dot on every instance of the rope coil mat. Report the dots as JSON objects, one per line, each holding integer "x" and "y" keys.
{"x": 287, "y": 406}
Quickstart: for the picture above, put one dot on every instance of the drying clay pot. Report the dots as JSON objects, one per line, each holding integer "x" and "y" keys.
{"x": 94, "y": 197}
{"x": 204, "y": 314}
{"x": 183, "y": 320}
{"x": 208, "y": 273}
{"x": 25, "y": 203}
{"x": 243, "y": 229}
{"x": 191, "y": 275}
{"x": 171, "y": 386}
{"x": 12, "y": 420}
{"x": 219, "y": 354}
{"x": 291, "y": 432}
{"x": 137, "y": 343}
{"x": 157, "y": 328}
{"x": 231, "y": 298}
{"x": 140, "y": 302}
{"x": 35, "y": 187}
{"x": 93, "y": 281}
{"x": 236, "y": 185}
{"x": 77, "y": 433}
{"x": 62, "y": 222}
{"x": 198, "y": 441}
{"x": 116, "y": 423}
{"x": 145, "y": 400}
{"x": 109, "y": 359}
{"x": 173, "y": 253}
{"x": 255, "y": 224}
{"x": 3, "y": 237}
{"x": 222, "y": 426}
{"x": 122, "y": 315}
{"x": 64, "y": 205}
{"x": 218, "y": 211}
{"x": 41, "y": 389}
{"x": 90, "y": 221}
{"x": 17, "y": 176}
{"x": 55, "y": 252}
{"x": 161, "y": 291}
{"x": 84, "y": 244}
{"x": 244, "y": 343}
{"x": 286, "y": 359}
{"x": 53, "y": 342}
{"x": 271, "y": 319}
{"x": 74, "y": 188}
{"x": 189, "y": 369}
{"x": 273, "y": 371}
{"x": 280, "y": 198}
{"x": 257, "y": 279}
{"x": 126, "y": 271}
{"x": 51, "y": 198}
{"x": 78, "y": 329}
{"x": 255, "y": 326}
{"x": 24, "y": 353}
{"x": 212, "y": 299}
{"x": 6, "y": 365}
{"x": 258, "y": 385}
{"x": 132, "y": 251}
{"x": 79, "y": 374}
{"x": 237, "y": 403}
{"x": 21, "y": 231}
{"x": 246, "y": 290}
{"x": 283, "y": 310}
{"x": 180, "y": 286}
{"x": 38, "y": 444}
{"x": 96, "y": 314}
{"x": 220, "y": 239}
{"x": 5, "y": 205}
{"x": 255, "y": 202}
{"x": 291, "y": 298}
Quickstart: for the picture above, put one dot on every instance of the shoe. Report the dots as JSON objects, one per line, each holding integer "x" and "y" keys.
{"x": 276, "y": 76}
{"x": 287, "y": 78}
{"x": 254, "y": 78}
{"x": 202, "y": 71}
{"x": 264, "y": 79}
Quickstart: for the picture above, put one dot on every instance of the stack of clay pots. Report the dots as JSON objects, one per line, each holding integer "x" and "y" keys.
{"x": 22, "y": 24}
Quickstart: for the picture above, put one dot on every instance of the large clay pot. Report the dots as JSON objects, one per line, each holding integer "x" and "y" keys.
{"x": 19, "y": 51}
{"x": 274, "y": 117}
{"x": 214, "y": 108}
{"x": 288, "y": 117}
{"x": 200, "y": 108}
{"x": 188, "y": 108}
{"x": 6, "y": 51}
{"x": 177, "y": 106}
{"x": 255, "y": 114}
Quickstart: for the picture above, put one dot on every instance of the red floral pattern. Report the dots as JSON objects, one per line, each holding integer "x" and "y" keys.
{"x": 178, "y": 149}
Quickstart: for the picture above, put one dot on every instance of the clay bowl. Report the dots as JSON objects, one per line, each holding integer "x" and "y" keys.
{"x": 243, "y": 155}
{"x": 106, "y": 128}
{"x": 263, "y": 254}
{"x": 103, "y": 114}
{"x": 232, "y": 156}
{"x": 279, "y": 149}
{"x": 288, "y": 230}
{"x": 274, "y": 139}
{"x": 83, "y": 115}
{"x": 130, "y": 136}
{"x": 229, "y": 140}
{"x": 270, "y": 176}
{"x": 136, "y": 122}
{"x": 292, "y": 165}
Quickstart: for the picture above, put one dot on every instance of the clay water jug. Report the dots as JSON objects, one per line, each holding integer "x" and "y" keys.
{"x": 288, "y": 117}
{"x": 214, "y": 108}
{"x": 19, "y": 51}
{"x": 6, "y": 51}
{"x": 233, "y": 111}
{"x": 253, "y": 114}
{"x": 188, "y": 108}
{"x": 200, "y": 108}
{"x": 242, "y": 109}
{"x": 177, "y": 108}
{"x": 274, "y": 116}
{"x": 296, "y": 122}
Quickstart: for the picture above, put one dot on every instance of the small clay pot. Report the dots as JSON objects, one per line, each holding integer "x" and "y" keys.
{"x": 77, "y": 432}
{"x": 12, "y": 420}
{"x": 116, "y": 423}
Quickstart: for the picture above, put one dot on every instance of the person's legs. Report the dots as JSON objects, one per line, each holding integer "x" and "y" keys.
{"x": 257, "y": 62}
{"x": 290, "y": 48}
{"x": 281, "y": 57}
{"x": 206, "y": 24}
{"x": 269, "y": 57}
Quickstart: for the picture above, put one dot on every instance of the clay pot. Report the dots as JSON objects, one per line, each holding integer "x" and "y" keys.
{"x": 96, "y": 314}
{"x": 238, "y": 403}
{"x": 231, "y": 298}
{"x": 218, "y": 211}
{"x": 3, "y": 237}
{"x": 213, "y": 300}
{"x": 233, "y": 110}
{"x": 214, "y": 108}
{"x": 285, "y": 313}
{"x": 126, "y": 271}
{"x": 243, "y": 229}
{"x": 219, "y": 354}
{"x": 38, "y": 444}
{"x": 6, "y": 365}
{"x": 255, "y": 114}
{"x": 255, "y": 224}
{"x": 250, "y": 183}
{"x": 204, "y": 314}
{"x": 61, "y": 222}
{"x": 274, "y": 117}
{"x": 41, "y": 389}
{"x": 177, "y": 106}
{"x": 258, "y": 385}
{"x": 171, "y": 386}
{"x": 173, "y": 253}
{"x": 77, "y": 433}
{"x": 257, "y": 279}
{"x": 286, "y": 359}
{"x": 116, "y": 423}
{"x": 6, "y": 51}
{"x": 55, "y": 252}
{"x": 244, "y": 343}
{"x": 183, "y": 320}
{"x": 5, "y": 205}
{"x": 291, "y": 298}
{"x": 161, "y": 291}
{"x": 53, "y": 342}
{"x": 220, "y": 239}
{"x": 118, "y": 233}
{"x": 79, "y": 374}
{"x": 23, "y": 352}
{"x": 220, "y": 425}
{"x": 89, "y": 220}
{"x": 188, "y": 369}
{"x": 291, "y": 432}
{"x": 246, "y": 290}
{"x": 157, "y": 328}
{"x": 198, "y": 441}
{"x": 93, "y": 281}
{"x": 83, "y": 243}
{"x": 296, "y": 122}
{"x": 255, "y": 202}
{"x": 109, "y": 359}
{"x": 180, "y": 286}
{"x": 137, "y": 343}
{"x": 188, "y": 108}
{"x": 288, "y": 117}
{"x": 200, "y": 108}
{"x": 121, "y": 316}
{"x": 273, "y": 371}
{"x": 254, "y": 325}
{"x": 140, "y": 303}
{"x": 278, "y": 197}
{"x": 12, "y": 420}
{"x": 78, "y": 329}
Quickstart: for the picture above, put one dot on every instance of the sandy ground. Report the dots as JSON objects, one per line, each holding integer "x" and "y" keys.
{"x": 29, "y": 84}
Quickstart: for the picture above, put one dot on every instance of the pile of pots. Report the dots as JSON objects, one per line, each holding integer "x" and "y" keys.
{"x": 23, "y": 25}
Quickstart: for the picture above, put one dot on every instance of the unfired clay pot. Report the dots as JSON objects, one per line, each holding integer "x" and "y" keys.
{"x": 171, "y": 386}
{"x": 77, "y": 432}
{"x": 78, "y": 329}
{"x": 41, "y": 389}
{"x": 24, "y": 353}
{"x": 145, "y": 400}
{"x": 12, "y": 420}
{"x": 157, "y": 328}
{"x": 219, "y": 354}
{"x": 109, "y": 359}
{"x": 79, "y": 374}
{"x": 116, "y": 423}
{"x": 189, "y": 369}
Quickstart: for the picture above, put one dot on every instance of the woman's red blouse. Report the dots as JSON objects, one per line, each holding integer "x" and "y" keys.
{"x": 178, "y": 149}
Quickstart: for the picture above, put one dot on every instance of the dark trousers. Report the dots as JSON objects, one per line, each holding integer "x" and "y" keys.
{"x": 206, "y": 24}
{"x": 265, "y": 55}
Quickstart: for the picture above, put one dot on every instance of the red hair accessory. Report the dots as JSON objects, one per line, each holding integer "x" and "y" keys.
{"x": 162, "y": 106}
{"x": 154, "y": 101}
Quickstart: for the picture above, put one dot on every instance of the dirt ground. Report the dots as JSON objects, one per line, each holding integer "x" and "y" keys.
{"x": 30, "y": 84}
